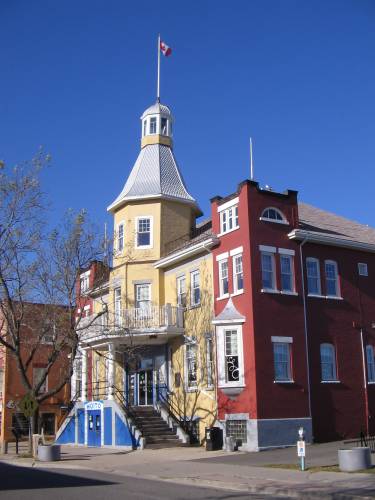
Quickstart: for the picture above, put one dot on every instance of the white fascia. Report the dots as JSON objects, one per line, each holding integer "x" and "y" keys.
{"x": 326, "y": 239}
{"x": 228, "y": 204}
{"x": 186, "y": 252}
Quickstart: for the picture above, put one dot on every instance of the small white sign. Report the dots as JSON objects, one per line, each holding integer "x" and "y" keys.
{"x": 94, "y": 405}
{"x": 301, "y": 448}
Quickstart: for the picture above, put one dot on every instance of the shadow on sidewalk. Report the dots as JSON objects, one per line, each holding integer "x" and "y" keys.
{"x": 21, "y": 478}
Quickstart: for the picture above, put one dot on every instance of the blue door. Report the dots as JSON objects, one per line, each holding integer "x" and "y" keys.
{"x": 94, "y": 428}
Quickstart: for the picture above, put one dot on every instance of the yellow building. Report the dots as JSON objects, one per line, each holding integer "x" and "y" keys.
{"x": 152, "y": 350}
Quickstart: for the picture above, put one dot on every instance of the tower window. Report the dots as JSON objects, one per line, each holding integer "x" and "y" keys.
{"x": 153, "y": 125}
{"x": 144, "y": 232}
{"x": 163, "y": 127}
{"x": 272, "y": 214}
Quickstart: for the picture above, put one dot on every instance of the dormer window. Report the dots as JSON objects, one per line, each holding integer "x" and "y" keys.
{"x": 164, "y": 126}
{"x": 144, "y": 127}
{"x": 272, "y": 214}
{"x": 153, "y": 125}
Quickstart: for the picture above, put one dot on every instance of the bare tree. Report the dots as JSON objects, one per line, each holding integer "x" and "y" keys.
{"x": 38, "y": 274}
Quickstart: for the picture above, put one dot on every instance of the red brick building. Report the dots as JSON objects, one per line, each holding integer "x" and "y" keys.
{"x": 295, "y": 319}
{"x": 53, "y": 409}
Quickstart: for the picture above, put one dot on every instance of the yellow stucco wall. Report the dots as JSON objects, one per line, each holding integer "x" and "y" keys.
{"x": 200, "y": 402}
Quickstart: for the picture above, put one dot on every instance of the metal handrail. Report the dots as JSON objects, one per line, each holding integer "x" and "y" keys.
{"x": 126, "y": 407}
{"x": 173, "y": 411}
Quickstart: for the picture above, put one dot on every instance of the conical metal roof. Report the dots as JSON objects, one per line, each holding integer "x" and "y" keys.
{"x": 155, "y": 175}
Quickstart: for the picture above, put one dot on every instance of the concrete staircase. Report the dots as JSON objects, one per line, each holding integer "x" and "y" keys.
{"x": 155, "y": 430}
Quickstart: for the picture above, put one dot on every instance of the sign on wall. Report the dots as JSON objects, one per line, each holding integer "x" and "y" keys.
{"x": 93, "y": 405}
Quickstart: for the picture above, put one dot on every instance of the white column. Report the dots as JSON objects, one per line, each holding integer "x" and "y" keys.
{"x": 84, "y": 376}
{"x": 73, "y": 381}
{"x": 111, "y": 370}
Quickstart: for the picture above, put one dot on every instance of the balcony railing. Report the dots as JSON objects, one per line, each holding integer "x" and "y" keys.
{"x": 134, "y": 321}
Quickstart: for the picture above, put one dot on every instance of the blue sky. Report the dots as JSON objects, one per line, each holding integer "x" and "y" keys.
{"x": 297, "y": 76}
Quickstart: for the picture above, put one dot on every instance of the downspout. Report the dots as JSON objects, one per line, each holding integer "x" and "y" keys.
{"x": 363, "y": 360}
{"x": 305, "y": 326}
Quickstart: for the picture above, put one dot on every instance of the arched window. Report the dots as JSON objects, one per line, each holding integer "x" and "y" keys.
{"x": 332, "y": 278}
{"x": 328, "y": 362}
{"x": 272, "y": 214}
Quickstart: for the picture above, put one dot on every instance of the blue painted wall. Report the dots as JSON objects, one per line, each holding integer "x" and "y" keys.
{"x": 123, "y": 435}
{"x": 68, "y": 435}
{"x": 81, "y": 426}
{"x": 108, "y": 426}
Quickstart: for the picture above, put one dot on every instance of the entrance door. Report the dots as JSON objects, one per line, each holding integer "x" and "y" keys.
{"x": 94, "y": 431}
{"x": 145, "y": 387}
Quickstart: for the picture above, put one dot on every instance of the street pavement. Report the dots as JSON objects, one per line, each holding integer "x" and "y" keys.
{"x": 22, "y": 483}
{"x": 234, "y": 473}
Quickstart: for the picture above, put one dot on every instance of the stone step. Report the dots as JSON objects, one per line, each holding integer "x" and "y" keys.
{"x": 161, "y": 439}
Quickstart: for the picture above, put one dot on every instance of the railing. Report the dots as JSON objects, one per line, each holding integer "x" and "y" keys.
{"x": 127, "y": 409}
{"x": 173, "y": 411}
{"x": 133, "y": 321}
{"x": 363, "y": 440}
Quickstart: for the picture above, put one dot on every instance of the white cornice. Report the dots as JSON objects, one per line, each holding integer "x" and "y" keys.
{"x": 186, "y": 252}
{"x": 327, "y": 239}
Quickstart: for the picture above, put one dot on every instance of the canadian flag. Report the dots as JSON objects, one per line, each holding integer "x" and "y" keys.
{"x": 167, "y": 51}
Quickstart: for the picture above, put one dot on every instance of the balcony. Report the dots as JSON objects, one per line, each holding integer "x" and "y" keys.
{"x": 137, "y": 326}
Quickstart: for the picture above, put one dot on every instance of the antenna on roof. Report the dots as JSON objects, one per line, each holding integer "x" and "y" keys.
{"x": 251, "y": 160}
{"x": 105, "y": 243}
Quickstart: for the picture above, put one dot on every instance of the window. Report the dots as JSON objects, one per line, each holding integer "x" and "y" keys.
{"x": 268, "y": 271}
{"x": 38, "y": 375}
{"x": 209, "y": 361}
{"x": 313, "y": 276}
{"x": 84, "y": 282}
{"x": 1, "y": 382}
{"x": 237, "y": 273}
{"x": 332, "y": 279}
{"x": 362, "y": 269}
{"x": 120, "y": 238}
{"x": 223, "y": 277}
{"x": 229, "y": 219}
{"x": 328, "y": 362}
{"x": 47, "y": 423}
{"x": 153, "y": 125}
{"x": 232, "y": 373}
{"x": 118, "y": 307}
{"x": 370, "y": 363}
{"x": 163, "y": 127}
{"x": 181, "y": 291}
{"x": 144, "y": 127}
{"x": 78, "y": 377}
{"x": 286, "y": 269}
{"x": 195, "y": 297}
{"x": 281, "y": 359}
{"x": 144, "y": 232}
{"x": 272, "y": 215}
{"x": 191, "y": 366}
{"x": 237, "y": 429}
{"x": 143, "y": 297}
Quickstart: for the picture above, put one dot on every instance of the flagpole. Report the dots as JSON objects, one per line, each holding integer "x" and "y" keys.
{"x": 158, "y": 88}
{"x": 251, "y": 160}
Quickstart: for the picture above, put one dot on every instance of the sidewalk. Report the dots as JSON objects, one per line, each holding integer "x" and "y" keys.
{"x": 232, "y": 471}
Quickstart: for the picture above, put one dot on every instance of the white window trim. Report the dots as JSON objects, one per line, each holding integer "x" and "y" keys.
{"x": 267, "y": 249}
{"x": 220, "y": 262}
{"x": 273, "y": 260}
{"x": 192, "y": 388}
{"x": 314, "y": 259}
{"x": 290, "y": 256}
{"x": 267, "y": 219}
{"x": 141, "y": 247}
{"x": 193, "y": 304}
{"x": 359, "y": 269}
{"x": 338, "y": 288}
{"x": 236, "y": 251}
{"x": 228, "y": 204}
{"x": 282, "y": 340}
{"x": 236, "y": 291}
{"x": 220, "y": 349}
{"x": 286, "y": 251}
{"x": 222, "y": 256}
{"x": 121, "y": 223}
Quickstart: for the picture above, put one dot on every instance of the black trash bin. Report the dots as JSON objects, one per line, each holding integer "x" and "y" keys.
{"x": 214, "y": 439}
